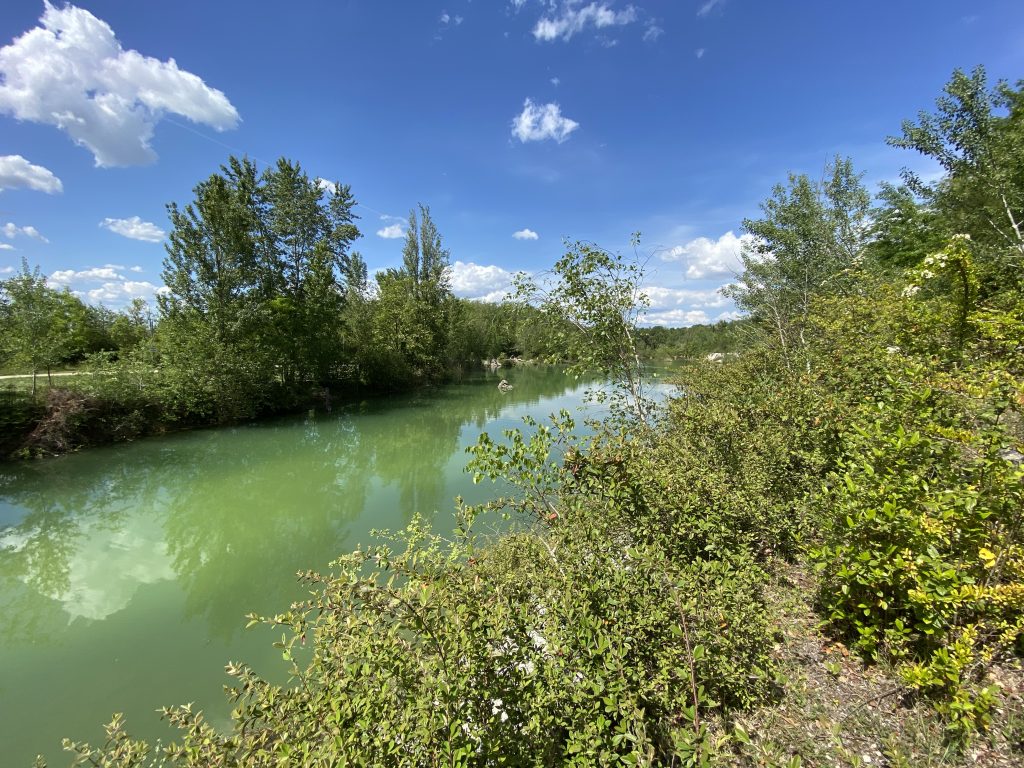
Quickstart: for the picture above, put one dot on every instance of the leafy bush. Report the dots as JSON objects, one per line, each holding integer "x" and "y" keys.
{"x": 922, "y": 563}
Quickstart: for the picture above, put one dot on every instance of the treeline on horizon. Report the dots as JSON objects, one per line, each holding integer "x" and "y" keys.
{"x": 266, "y": 307}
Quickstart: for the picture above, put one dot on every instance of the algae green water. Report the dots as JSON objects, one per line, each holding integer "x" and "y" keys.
{"x": 126, "y": 571}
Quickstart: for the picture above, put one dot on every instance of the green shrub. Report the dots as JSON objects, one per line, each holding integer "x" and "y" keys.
{"x": 924, "y": 561}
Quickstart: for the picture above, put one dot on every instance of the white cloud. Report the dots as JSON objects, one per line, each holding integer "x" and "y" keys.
{"x": 555, "y": 81}
{"x": 124, "y": 291}
{"x": 479, "y": 281}
{"x": 6, "y": 247}
{"x": 574, "y": 20}
{"x": 652, "y": 33}
{"x": 525, "y": 234}
{"x": 6, "y": 270}
{"x": 114, "y": 287}
{"x": 699, "y": 53}
{"x": 705, "y": 257}
{"x": 71, "y": 72}
{"x": 536, "y": 123}
{"x": 663, "y": 298}
{"x": 71, "y": 277}
{"x": 708, "y": 7}
{"x": 391, "y": 232}
{"x": 11, "y": 231}
{"x": 329, "y": 186}
{"x": 135, "y": 228}
{"x": 18, "y": 173}
{"x": 676, "y": 318}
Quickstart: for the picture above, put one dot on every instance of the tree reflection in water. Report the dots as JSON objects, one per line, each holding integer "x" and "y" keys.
{"x": 155, "y": 551}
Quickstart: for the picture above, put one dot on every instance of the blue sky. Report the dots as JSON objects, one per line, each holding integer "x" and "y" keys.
{"x": 548, "y": 118}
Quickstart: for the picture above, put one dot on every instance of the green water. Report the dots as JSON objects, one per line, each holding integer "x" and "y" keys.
{"x": 125, "y": 572}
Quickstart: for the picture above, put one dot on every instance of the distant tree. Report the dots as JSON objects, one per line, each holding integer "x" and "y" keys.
{"x": 38, "y": 330}
{"x": 131, "y": 326}
{"x": 810, "y": 235}
{"x": 309, "y": 240}
{"x": 356, "y": 276}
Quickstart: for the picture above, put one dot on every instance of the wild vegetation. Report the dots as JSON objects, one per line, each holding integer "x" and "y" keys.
{"x": 813, "y": 555}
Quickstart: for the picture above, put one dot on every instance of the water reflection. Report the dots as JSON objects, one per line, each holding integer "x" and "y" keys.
{"x": 230, "y": 514}
{"x": 125, "y": 572}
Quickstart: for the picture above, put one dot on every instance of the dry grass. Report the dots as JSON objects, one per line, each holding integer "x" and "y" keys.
{"x": 833, "y": 710}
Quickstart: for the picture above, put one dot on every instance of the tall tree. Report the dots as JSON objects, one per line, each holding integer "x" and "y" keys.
{"x": 977, "y": 136}
{"x": 310, "y": 239}
{"x": 258, "y": 261}
{"x": 214, "y": 251}
{"x": 417, "y": 315}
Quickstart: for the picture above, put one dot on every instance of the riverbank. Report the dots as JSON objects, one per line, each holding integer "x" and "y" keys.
{"x": 110, "y": 407}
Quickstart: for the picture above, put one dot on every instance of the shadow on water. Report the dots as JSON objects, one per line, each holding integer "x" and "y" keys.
{"x": 125, "y": 572}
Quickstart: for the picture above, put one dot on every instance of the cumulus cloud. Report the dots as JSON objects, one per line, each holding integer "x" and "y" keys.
{"x": 574, "y": 20}
{"x": 106, "y": 284}
{"x": 11, "y": 231}
{"x": 676, "y": 318}
{"x": 525, "y": 234}
{"x": 479, "y": 281}
{"x": 71, "y": 277}
{"x": 391, "y": 232}
{"x": 6, "y": 247}
{"x": 328, "y": 186}
{"x": 72, "y": 73}
{"x": 18, "y": 173}
{"x": 705, "y": 257}
{"x": 664, "y": 298}
{"x": 135, "y": 228}
{"x": 544, "y": 121}
{"x": 124, "y": 291}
